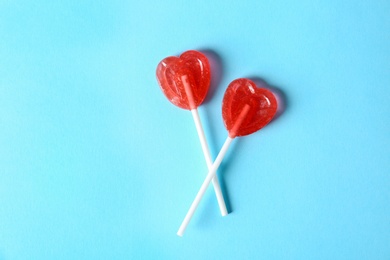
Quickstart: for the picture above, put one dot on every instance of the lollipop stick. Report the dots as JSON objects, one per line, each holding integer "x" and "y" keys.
{"x": 207, "y": 156}
{"x": 212, "y": 171}
{"x": 203, "y": 142}
{"x": 204, "y": 186}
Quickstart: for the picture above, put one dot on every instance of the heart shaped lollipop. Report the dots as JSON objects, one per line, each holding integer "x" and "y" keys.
{"x": 240, "y": 94}
{"x": 245, "y": 109}
{"x": 185, "y": 81}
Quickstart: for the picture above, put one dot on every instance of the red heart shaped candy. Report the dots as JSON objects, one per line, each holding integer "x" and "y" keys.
{"x": 185, "y": 80}
{"x": 247, "y": 108}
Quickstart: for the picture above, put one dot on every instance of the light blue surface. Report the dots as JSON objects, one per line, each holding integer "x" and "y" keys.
{"x": 95, "y": 163}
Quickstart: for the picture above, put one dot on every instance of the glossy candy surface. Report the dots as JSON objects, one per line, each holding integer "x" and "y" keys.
{"x": 185, "y": 80}
{"x": 244, "y": 102}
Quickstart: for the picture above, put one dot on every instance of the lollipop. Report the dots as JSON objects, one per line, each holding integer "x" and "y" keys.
{"x": 185, "y": 81}
{"x": 245, "y": 110}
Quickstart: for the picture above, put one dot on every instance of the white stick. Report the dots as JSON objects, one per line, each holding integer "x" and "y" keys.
{"x": 213, "y": 169}
{"x": 204, "y": 186}
{"x": 203, "y": 142}
{"x": 207, "y": 156}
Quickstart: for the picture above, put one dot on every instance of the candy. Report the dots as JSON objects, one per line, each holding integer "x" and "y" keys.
{"x": 185, "y": 82}
{"x": 246, "y": 109}
{"x": 262, "y": 107}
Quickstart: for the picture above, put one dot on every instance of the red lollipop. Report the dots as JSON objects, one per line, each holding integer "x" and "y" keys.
{"x": 185, "y": 81}
{"x": 245, "y": 110}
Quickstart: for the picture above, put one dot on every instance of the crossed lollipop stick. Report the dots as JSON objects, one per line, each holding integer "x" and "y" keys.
{"x": 185, "y": 81}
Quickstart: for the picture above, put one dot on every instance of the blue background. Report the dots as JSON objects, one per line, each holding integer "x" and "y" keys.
{"x": 95, "y": 163}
